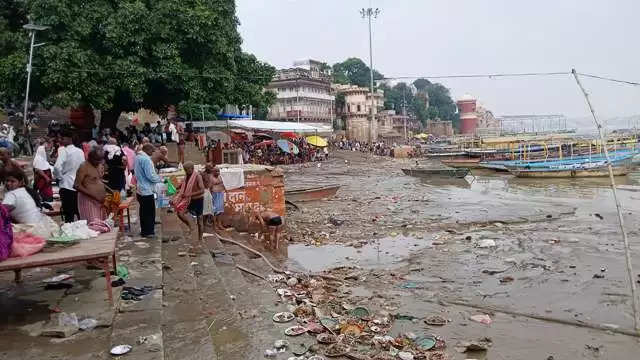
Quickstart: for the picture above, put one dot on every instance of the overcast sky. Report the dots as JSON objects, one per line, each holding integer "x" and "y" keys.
{"x": 440, "y": 37}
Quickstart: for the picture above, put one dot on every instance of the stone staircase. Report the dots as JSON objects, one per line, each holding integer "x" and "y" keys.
{"x": 204, "y": 307}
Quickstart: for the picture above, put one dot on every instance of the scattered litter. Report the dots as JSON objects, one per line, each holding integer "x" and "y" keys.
{"x": 295, "y": 330}
{"x": 506, "y": 279}
{"x": 426, "y": 342}
{"x": 283, "y": 317}
{"x": 410, "y": 285}
{"x": 276, "y": 278}
{"x": 122, "y": 271}
{"x": 57, "y": 279}
{"x": 120, "y": 349}
{"x": 292, "y": 282}
{"x": 360, "y": 312}
{"x": 141, "y": 244}
{"x": 336, "y": 350}
{"x": 486, "y": 243}
{"x": 88, "y": 324}
{"x": 598, "y": 276}
{"x": 135, "y": 293}
{"x": 299, "y": 349}
{"x": 325, "y": 338}
{"x": 493, "y": 272}
{"x": 182, "y": 253}
{"x": 598, "y": 216}
{"x": 118, "y": 283}
{"x": 280, "y": 344}
{"x": 482, "y": 318}
{"x": 403, "y": 355}
{"x": 270, "y": 353}
{"x": 436, "y": 320}
{"x": 482, "y": 344}
{"x": 65, "y": 319}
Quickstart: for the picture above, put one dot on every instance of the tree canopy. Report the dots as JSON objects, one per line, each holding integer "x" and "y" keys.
{"x": 130, "y": 54}
{"x": 354, "y": 71}
{"x": 441, "y": 106}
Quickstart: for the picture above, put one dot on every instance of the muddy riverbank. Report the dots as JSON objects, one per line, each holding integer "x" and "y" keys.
{"x": 551, "y": 249}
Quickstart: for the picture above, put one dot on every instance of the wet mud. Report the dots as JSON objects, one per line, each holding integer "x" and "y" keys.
{"x": 548, "y": 248}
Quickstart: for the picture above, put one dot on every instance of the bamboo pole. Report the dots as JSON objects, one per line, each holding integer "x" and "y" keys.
{"x": 627, "y": 251}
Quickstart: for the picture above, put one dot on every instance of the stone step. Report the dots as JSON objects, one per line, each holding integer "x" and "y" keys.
{"x": 139, "y": 323}
{"x": 255, "y": 300}
{"x": 186, "y": 315}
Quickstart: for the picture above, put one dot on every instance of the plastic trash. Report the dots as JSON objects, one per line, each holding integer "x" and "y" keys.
{"x": 65, "y": 319}
{"x": 270, "y": 353}
{"x": 122, "y": 271}
{"x": 486, "y": 243}
{"x": 120, "y": 349}
{"x": 88, "y": 324}
{"x": 483, "y": 319}
{"x": 405, "y": 355}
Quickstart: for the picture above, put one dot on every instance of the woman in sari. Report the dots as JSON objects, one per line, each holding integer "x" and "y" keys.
{"x": 42, "y": 173}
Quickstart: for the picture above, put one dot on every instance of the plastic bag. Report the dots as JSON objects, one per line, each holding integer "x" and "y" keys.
{"x": 171, "y": 189}
{"x": 65, "y": 320}
{"x": 25, "y": 244}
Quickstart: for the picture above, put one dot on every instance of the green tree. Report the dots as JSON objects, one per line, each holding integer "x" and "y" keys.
{"x": 354, "y": 71}
{"x": 130, "y": 54}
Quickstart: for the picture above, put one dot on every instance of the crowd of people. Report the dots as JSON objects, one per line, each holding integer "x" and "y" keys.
{"x": 267, "y": 152}
{"x": 377, "y": 148}
{"x": 93, "y": 175}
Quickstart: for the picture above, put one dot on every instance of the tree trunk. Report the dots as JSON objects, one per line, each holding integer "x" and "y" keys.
{"x": 109, "y": 118}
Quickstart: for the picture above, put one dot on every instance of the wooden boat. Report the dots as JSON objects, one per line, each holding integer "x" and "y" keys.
{"x": 601, "y": 171}
{"x": 312, "y": 193}
{"x": 433, "y": 172}
{"x": 462, "y": 163}
{"x": 617, "y": 158}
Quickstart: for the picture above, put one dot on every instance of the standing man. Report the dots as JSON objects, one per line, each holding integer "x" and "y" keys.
{"x": 69, "y": 160}
{"x": 91, "y": 190}
{"x": 146, "y": 177}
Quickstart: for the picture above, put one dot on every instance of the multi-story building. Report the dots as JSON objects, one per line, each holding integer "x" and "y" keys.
{"x": 303, "y": 94}
{"x": 357, "y": 104}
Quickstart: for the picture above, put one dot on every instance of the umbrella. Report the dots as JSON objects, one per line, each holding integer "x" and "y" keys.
{"x": 264, "y": 143}
{"x": 287, "y": 146}
{"x": 422, "y": 136}
{"x": 219, "y": 135}
{"x": 316, "y": 141}
{"x": 288, "y": 135}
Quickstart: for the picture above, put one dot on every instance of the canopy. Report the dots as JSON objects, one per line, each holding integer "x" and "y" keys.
{"x": 287, "y": 146}
{"x": 262, "y": 135}
{"x": 288, "y": 135}
{"x": 264, "y": 143}
{"x": 263, "y": 125}
{"x": 316, "y": 141}
{"x": 218, "y": 135}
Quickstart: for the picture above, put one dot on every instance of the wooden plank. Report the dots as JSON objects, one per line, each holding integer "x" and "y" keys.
{"x": 102, "y": 246}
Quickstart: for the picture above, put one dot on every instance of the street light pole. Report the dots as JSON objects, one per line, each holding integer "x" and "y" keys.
{"x": 368, "y": 13}
{"x": 32, "y": 33}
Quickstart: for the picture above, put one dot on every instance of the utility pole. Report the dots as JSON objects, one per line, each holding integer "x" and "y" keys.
{"x": 32, "y": 28}
{"x": 369, "y": 13}
{"x": 404, "y": 111}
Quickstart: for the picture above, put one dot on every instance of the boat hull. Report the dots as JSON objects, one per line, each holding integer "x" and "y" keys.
{"x": 462, "y": 163}
{"x": 453, "y": 173}
{"x": 576, "y": 173}
{"x": 311, "y": 194}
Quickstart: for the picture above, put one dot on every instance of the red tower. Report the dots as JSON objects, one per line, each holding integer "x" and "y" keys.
{"x": 468, "y": 115}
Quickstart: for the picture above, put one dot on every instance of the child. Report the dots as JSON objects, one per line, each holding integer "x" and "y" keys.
{"x": 217, "y": 192}
{"x": 270, "y": 226}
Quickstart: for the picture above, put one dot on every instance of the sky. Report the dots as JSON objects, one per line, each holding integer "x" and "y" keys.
{"x": 441, "y": 37}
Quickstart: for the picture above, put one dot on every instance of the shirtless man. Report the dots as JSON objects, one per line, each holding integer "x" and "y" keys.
{"x": 91, "y": 189}
{"x": 195, "y": 196}
{"x": 217, "y": 193}
{"x": 270, "y": 226}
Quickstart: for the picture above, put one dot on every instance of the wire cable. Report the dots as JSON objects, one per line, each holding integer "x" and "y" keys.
{"x": 610, "y": 79}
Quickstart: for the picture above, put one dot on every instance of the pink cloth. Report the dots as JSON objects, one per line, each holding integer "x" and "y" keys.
{"x": 131, "y": 157}
{"x": 181, "y": 201}
{"x": 25, "y": 244}
{"x": 89, "y": 209}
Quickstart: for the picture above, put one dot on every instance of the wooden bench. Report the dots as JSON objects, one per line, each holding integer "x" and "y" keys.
{"x": 101, "y": 248}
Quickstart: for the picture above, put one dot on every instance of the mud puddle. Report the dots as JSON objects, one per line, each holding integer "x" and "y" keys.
{"x": 388, "y": 252}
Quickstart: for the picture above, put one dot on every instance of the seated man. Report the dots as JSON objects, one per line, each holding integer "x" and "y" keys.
{"x": 270, "y": 226}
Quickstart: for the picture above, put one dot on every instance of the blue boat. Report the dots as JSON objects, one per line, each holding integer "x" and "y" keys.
{"x": 505, "y": 165}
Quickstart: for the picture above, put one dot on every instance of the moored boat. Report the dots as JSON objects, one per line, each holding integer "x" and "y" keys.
{"x": 436, "y": 172}
{"x": 312, "y": 193}
{"x": 600, "y": 171}
{"x": 462, "y": 163}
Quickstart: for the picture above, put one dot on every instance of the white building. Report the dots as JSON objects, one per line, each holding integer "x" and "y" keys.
{"x": 303, "y": 94}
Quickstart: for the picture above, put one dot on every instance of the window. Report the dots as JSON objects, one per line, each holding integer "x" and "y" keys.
{"x": 359, "y": 108}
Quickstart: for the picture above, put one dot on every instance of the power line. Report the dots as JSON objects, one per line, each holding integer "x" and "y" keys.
{"x": 610, "y": 79}
{"x": 455, "y": 76}
{"x": 479, "y": 75}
